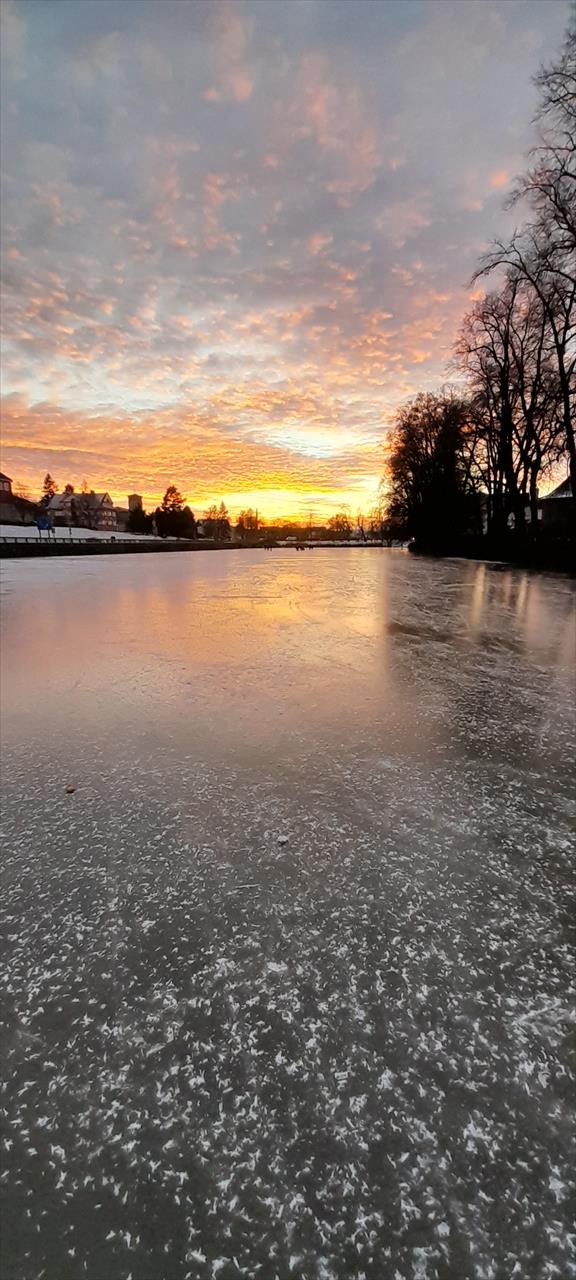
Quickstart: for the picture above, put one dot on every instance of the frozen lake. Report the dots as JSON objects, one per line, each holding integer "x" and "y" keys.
{"x": 289, "y": 977}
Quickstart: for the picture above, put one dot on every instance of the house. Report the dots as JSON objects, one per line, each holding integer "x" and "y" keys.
{"x": 59, "y": 508}
{"x": 14, "y": 510}
{"x": 558, "y": 509}
{"x": 122, "y": 516}
{"x": 83, "y": 510}
{"x": 102, "y": 511}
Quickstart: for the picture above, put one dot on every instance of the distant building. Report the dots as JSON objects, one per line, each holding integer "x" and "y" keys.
{"x": 558, "y": 509}
{"x": 14, "y": 510}
{"x": 83, "y": 510}
{"x": 122, "y": 515}
{"x": 60, "y": 508}
{"x": 134, "y": 501}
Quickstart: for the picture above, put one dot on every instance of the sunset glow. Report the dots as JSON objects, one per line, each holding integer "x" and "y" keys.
{"x": 237, "y": 235}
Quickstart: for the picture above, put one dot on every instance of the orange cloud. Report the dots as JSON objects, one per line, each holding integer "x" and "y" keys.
{"x": 144, "y": 452}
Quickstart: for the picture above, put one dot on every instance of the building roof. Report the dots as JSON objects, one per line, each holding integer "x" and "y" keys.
{"x": 4, "y": 477}
{"x": 90, "y": 499}
{"x": 563, "y": 490}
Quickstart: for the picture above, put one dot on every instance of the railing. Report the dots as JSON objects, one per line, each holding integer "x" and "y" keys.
{"x": 198, "y": 543}
{"x": 63, "y": 542}
{"x": 66, "y": 542}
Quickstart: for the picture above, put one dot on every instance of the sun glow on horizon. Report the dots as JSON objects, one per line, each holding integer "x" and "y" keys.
{"x": 242, "y": 245}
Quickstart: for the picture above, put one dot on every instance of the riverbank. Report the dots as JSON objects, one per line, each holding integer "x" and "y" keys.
{"x": 36, "y": 548}
{"x": 30, "y": 548}
{"x": 552, "y": 555}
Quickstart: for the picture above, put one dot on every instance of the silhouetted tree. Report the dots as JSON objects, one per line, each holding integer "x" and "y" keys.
{"x": 48, "y": 489}
{"x": 172, "y": 500}
{"x": 187, "y": 524}
{"x": 377, "y": 521}
{"x": 139, "y": 521}
{"x": 217, "y": 523}
{"x": 382, "y": 527}
{"x": 542, "y": 254}
{"x": 247, "y": 525}
{"x": 515, "y": 395}
{"x": 173, "y": 519}
{"x": 431, "y": 491}
{"x": 361, "y": 525}
{"x": 340, "y": 526}
{"x": 175, "y": 522}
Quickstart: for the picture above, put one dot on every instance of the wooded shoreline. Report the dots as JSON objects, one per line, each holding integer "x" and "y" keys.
{"x": 552, "y": 556}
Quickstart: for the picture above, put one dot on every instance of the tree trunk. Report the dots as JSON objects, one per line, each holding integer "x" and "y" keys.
{"x": 534, "y": 473}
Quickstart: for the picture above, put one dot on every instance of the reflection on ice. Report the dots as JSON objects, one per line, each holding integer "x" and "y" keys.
{"x": 289, "y": 974}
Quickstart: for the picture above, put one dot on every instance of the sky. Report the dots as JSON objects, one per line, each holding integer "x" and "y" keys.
{"x": 237, "y": 234}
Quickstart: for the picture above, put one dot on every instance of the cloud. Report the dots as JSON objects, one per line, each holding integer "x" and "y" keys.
{"x": 145, "y": 452}
{"x": 247, "y": 224}
{"x": 231, "y": 30}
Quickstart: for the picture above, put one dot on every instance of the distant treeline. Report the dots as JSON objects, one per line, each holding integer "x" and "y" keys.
{"x": 173, "y": 519}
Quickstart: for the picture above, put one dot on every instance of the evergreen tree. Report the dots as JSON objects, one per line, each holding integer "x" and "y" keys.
{"x": 139, "y": 522}
{"x": 48, "y": 489}
{"x": 188, "y": 524}
{"x": 172, "y": 500}
{"x": 223, "y": 525}
{"x": 173, "y": 520}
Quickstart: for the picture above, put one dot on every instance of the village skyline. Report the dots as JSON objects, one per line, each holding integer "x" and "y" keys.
{"x": 302, "y": 511}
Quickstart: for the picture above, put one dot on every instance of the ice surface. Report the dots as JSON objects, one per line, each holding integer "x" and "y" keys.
{"x": 289, "y": 977}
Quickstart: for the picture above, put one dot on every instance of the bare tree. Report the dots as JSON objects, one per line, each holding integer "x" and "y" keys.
{"x": 340, "y": 526}
{"x": 432, "y": 494}
{"x": 515, "y": 431}
{"x": 361, "y": 525}
{"x": 217, "y": 522}
{"x": 542, "y": 255}
{"x": 248, "y": 524}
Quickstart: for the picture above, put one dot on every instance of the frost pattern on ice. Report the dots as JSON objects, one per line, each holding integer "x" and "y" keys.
{"x": 341, "y": 1057}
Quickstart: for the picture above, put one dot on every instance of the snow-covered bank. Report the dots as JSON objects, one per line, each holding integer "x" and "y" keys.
{"x": 19, "y": 531}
